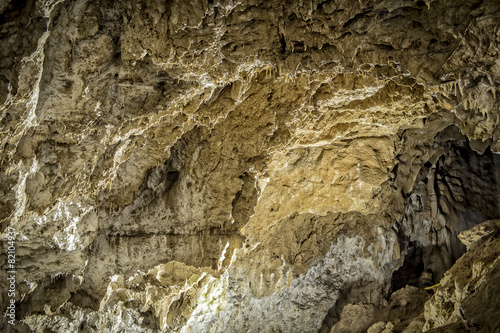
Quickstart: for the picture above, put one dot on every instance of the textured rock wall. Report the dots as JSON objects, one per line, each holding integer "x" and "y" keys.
{"x": 469, "y": 284}
{"x": 251, "y": 166}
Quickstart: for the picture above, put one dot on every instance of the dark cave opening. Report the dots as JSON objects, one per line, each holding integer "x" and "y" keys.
{"x": 454, "y": 190}
{"x": 411, "y": 270}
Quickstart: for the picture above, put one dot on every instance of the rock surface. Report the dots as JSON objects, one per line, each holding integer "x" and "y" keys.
{"x": 250, "y": 166}
{"x": 469, "y": 291}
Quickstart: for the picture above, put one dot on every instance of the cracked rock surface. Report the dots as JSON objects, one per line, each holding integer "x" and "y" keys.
{"x": 250, "y": 166}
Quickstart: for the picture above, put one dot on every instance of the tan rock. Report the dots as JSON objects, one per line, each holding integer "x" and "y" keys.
{"x": 245, "y": 166}
{"x": 478, "y": 233}
{"x": 463, "y": 298}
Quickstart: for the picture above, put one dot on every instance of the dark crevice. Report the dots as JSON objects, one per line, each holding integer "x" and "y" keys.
{"x": 357, "y": 17}
{"x": 447, "y": 198}
{"x": 411, "y": 270}
{"x": 283, "y": 44}
{"x": 386, "y": 47}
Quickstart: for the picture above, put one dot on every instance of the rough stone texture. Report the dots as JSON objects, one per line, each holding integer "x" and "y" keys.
{"x": 400, "y": 312}
{"x": 469, "y": 290}
{"x": 251, "y": 166}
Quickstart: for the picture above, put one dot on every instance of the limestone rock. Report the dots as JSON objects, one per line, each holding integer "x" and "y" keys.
{"x": 478, "y": 233}
{"x": 248, "y": 166}
{"x": 404, "y": 305}
{"x": 381, "y": 327}
{"x": 355, "y": 318}
{"x": 404, "y": 312}
{"x": 416, "y": 325}
{"x": 467, "y": 294}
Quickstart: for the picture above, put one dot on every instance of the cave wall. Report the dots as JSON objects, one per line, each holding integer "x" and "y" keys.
{"x": 251, "y": 166}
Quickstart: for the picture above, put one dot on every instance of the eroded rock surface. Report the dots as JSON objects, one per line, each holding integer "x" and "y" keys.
{"x": 469, "y": 291}
{"x": 251, "y": 166}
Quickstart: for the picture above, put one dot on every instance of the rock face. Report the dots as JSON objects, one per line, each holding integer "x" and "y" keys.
{"x": 251, "y": 166}
{"x": 469, "y": 290}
